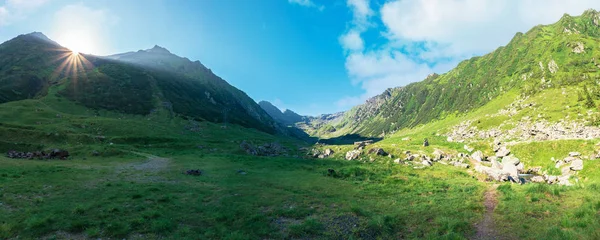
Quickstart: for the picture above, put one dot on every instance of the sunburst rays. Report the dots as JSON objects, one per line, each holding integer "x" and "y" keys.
{"x": 71, "y": 64}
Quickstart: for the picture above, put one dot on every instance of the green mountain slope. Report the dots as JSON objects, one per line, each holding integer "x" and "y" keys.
{"x": 546, "y": 57}
{"x": 31, "y": 63}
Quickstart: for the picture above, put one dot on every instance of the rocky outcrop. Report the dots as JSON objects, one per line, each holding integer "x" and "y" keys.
{"x": 267, "y": 149}
{"x": 378, "y": 151}
{"x": 52, "y": 154}
{"x": 552, "y": 66}
{"x": 353, "y": 154}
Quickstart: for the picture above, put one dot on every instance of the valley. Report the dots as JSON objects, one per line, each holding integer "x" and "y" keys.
{"x": 504, "y": 146}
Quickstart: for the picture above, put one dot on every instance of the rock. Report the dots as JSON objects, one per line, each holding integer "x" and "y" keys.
{"x": 559, "y": 163}
{"x": 565, "y": 171}
{"x": 511, "y": 170}
{"x": 496, "y": 146}
{"x": 397, "y": 161}
{"x": 469, "y": 149}
{"x": 564, "y": 180}
{"x": 579, "y": 48}
{"x": 438, "y": 155}
{"x": 577, "y": 165}
{"x": 496, "y": 164}
{"x": 315, "y": 153}
{"x": 574, "y": 154}
{"x": 534, "y": 170}
{"x": 510, "y": 160}
{"x": 520, "y": 167}
{"x": 321, "y": 156}
{"x": 241, "y": 172}
{"x": 426, "y": 143}
{"x": 406, "y": 139}
{"x": 551, "y": 179}
{"x": 352, "y": 155}
{"x": 478, "y": 156}
{"x": 427, "y": 163}
{"x": 552, "y": 66}
{"x": 570, "y": 159}
{"x": 267, "y": 149}
{"x": 537, "y": 179}
{"x": 328, "y": 152}
{"x": 411, "y": 157}
{"x": 377, "y": 151}
{"x": 502, "y": 152}
{"x": 196, "y": 172}
{"x": 492, "y": 173}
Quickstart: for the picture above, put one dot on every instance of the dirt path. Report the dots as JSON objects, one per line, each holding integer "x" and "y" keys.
{"x": 146, "y": 171}
{"x": 486, "y": 227}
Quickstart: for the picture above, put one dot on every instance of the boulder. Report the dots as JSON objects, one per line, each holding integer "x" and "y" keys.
{"x": 510, "y": 160}
{"x": 534, "y": 170}
{"x": 537, "y": 179}
{"x": 438, "y": 155}
{"x": 496, "y": 164}
{"x": 564, "y": 180}
{"x": 511, "y": 170}
{"x": 426, "y": 143}
{"x": 427, "y": 163}
{"x": 577, "y": 165}
{"x": 377, "y": 151}
{"x": 328, "y": 152}
{"x": 352, "y": 155}
{"x": 492, "y": 173}
{"x": 521, "y": 167}
{"x": 478, "y": 156}
{"x": 196, "y": 172}
{"x": 570, "y": 159}
{"x": 559, "y": 163}
{"x": 502, "y": 152}
{"x": 551, "y": 179}
{"x": 397, "y": 161}
{"x": 574, "y": 154}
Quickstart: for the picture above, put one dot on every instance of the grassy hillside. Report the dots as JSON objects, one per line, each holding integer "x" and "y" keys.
{"x": 133, "y": 187}
{"x": 546, "y": 57}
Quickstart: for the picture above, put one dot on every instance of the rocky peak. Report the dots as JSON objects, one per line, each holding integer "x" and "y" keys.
{"x": 158, "y": 49}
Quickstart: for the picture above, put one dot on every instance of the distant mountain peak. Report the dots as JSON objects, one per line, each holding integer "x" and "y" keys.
{"x": 41, "y": 36}
{"x": 158, "y": 49}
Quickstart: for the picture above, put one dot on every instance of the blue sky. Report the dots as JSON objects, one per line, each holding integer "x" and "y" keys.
{"x": 311, "y": 56}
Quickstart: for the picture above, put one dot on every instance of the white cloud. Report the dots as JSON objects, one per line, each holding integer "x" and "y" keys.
{"x": 426, "y": 36}
{"x": 307, "y": 3}
{"x": 467, "y": 27}
{"x": 15, "y": 10}
{"x": 89, "y": 34}
{"x": 352, "y": 41}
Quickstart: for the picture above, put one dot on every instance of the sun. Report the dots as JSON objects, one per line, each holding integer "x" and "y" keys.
{"x": 77, "y": 42}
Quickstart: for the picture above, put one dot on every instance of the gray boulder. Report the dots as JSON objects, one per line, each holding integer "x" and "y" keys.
{"x": 352, "y": 155}
{"x": 502, "y": 152}
{"x": 577, "y": 165}
{"x": 574, "y": 154}
{"x": 478, "y": 156}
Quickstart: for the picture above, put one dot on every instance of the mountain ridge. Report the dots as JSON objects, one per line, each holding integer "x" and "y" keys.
{"x": 32, "y": 63}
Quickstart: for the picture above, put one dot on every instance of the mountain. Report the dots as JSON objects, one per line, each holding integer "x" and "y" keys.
{"x": 142, "y": 82}
{"x": 288, "y": 117}
{"x": 546, "y": 57}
